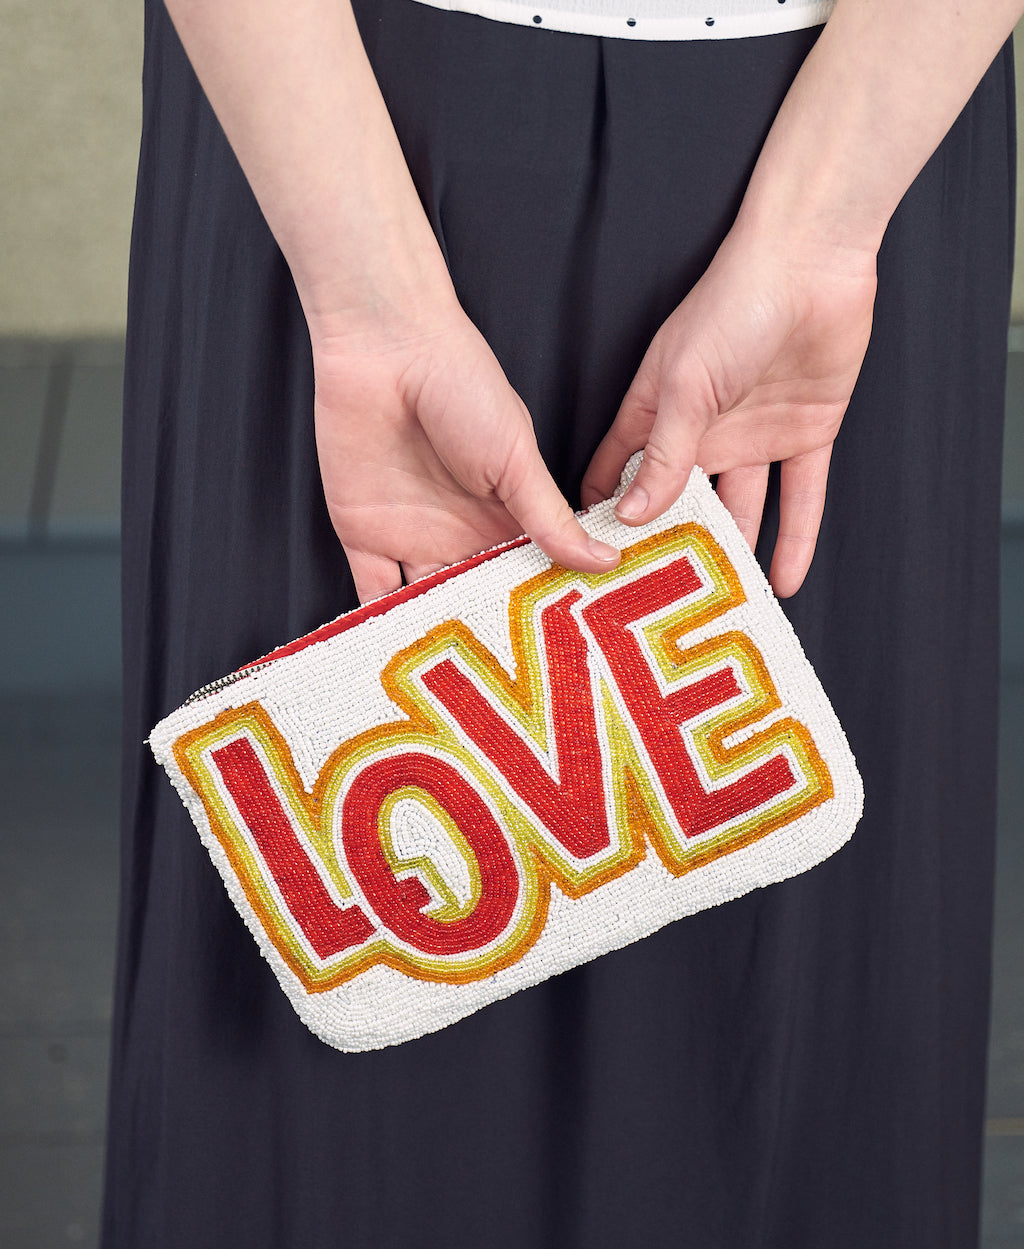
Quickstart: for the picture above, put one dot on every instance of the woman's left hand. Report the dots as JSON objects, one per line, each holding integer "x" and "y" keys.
{"x": 756, "y": 365}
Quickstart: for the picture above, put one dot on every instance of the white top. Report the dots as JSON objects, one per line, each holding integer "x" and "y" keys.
{"x": 652, "y": 19}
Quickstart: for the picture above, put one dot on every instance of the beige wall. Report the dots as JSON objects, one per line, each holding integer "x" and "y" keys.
{"x": 1017, "y": 305}
{"x": 69, "y": 100}
{"x": 70, "y": 75}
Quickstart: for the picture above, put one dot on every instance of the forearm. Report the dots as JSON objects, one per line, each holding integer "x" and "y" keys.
{"x": 292, "y": 87}
{"x": 873, "y": 100}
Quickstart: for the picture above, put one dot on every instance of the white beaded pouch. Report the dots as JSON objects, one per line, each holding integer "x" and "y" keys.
{"x": 506, "y": 769}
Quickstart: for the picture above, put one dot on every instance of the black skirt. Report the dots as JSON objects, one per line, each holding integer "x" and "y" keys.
{"x": 799, "y": 1068}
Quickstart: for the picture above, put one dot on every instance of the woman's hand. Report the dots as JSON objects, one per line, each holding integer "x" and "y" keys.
{"x": 428, "y": 456}
{"x": 757, "y": 364}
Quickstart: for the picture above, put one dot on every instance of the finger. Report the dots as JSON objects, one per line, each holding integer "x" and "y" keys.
{"x": 628, "y": 433}
{"x": 531, "y": 496}
{"x": 373, "y": 575}
{"x": 801, "y": 504}
{"x": 416, "y": 572}
{"x": 742, "y": 490}
{"x": 669, "y": 456}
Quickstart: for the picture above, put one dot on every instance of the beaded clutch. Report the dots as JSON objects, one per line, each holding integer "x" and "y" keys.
{"x": 507, "y": 769}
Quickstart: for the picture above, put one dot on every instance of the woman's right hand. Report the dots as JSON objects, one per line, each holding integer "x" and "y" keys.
{"x": 428, "y": 455}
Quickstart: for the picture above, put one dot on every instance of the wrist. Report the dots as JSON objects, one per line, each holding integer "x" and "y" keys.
{"x": 807, "y": 215}
{"x": 825, "y": 178}
{"x": 396, "y": 285}
{"x": 386, "y": 313}
{"x": 822, "y": 237}
{"x": 374, "y": 311}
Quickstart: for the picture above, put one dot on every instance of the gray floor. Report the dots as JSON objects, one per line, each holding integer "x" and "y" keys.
{"x": 59, "y": 408}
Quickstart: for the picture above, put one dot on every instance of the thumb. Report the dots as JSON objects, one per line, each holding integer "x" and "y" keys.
{"x": 530, "y": 495}
{"x": 628, "y": 433}
{"x": 669, "y": 456}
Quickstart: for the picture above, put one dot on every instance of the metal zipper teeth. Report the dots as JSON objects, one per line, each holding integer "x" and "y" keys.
{"x": 220, "y": 684}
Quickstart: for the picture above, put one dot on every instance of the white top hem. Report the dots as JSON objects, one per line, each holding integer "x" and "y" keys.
{"x": 629, "y": 25}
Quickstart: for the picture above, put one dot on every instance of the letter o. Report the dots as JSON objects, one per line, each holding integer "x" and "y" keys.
{"x": 398, "y": 903}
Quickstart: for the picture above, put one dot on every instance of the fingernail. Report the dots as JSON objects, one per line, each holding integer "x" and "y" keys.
{"x": 602, "y": 551}
{"x": 632, "y": 503}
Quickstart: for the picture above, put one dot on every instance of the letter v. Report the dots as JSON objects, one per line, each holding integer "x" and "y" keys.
{"x": 571, "y": 808}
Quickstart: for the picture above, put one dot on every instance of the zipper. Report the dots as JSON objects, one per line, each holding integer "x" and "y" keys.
{"x": 220, "y": 684}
